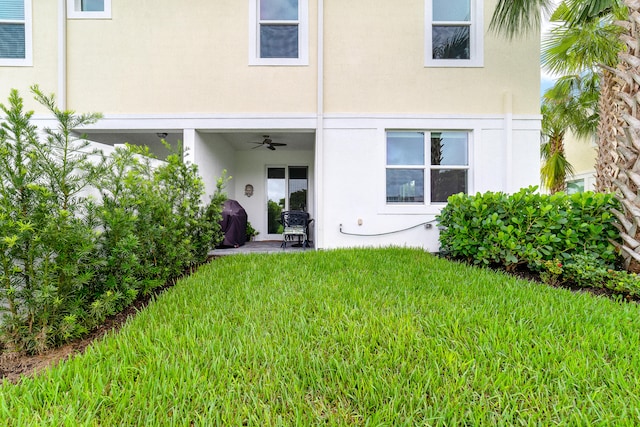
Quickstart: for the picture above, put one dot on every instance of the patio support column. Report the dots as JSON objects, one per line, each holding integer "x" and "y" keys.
{"x": 189, "y": 144}
{"x": 62, "y": 55}
{"x": 318, "y": 236}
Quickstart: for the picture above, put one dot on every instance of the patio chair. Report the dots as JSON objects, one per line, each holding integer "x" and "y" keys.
{"x": 295, "y": 225}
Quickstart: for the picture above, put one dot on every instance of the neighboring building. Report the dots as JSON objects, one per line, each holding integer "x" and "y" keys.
{"x": 385, "y": 107}
{"x": 581, "y": 154}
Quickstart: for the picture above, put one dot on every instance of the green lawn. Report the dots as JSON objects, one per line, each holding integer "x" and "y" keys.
{"x": 350, "y": 337}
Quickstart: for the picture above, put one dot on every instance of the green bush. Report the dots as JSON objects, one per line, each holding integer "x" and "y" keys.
{"x": 590, "y": 272}
{"x": 528, "y": 228}
{"x": 67, "y": 261}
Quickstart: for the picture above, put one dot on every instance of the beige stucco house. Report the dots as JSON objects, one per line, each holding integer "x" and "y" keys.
{"x": 581, "y": 154}
{"x": 381, "y": 108}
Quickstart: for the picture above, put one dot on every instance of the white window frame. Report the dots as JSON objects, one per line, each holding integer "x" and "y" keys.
{"x": 74, "y": 11}
{"x": 303, "y": 36}
{"x": 27, "y": 61}
{"x": 426, "y": 167}
{"x": 476, "y": 33}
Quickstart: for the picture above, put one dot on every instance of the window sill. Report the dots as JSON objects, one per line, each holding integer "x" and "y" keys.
{"x": 88, "y": 15}
{"x": 454, "y": 63}
{"x": 7, "y": 62}
{"x": 412, "y": 209}
{"x": 279, "y": 62}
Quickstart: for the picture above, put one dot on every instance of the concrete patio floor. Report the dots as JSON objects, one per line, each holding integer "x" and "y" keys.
{"x": 262, "y": 247}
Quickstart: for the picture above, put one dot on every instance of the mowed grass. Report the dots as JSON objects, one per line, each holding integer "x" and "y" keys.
{"x": 349, "y": 337}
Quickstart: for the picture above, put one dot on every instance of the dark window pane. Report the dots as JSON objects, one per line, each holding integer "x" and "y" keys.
{"x": 278, "y": 41}
{"x": 405, "y": 185}
{"x": 405, "y": 148}
{"x": 275, "y": 173}
{"x": 297, "y": 172}
{"x": 279, "y": 10}
{"x": 445, "y": 182}
{"x": 451, "y": 42}
{"x": 93, "y": 5}
{"x": 449, "y": 148}
{"x": 451, "y": 10}
{"x": 12, "y": 41}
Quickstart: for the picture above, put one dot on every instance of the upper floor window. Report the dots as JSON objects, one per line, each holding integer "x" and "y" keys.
{"x": 15, "y": 33}
{"x": 426, "y": 166}
{"x": 278, "y": 32}
{"x": 89, "y": 9}
{"x": 454, "y": 33}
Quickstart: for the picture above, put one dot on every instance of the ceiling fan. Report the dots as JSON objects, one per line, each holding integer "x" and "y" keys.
{"x": 267, "y": 142}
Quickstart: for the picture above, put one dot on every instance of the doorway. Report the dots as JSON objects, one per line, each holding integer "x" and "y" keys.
{"x": 287, "y": 189}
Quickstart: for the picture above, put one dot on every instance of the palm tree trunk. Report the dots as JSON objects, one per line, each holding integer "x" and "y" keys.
{"x": 627, "y": 183}
{"x": 606, "y": 170}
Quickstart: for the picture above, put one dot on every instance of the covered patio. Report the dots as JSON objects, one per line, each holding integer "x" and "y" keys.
{"x": 259, "y": 247}
{"x": 270, "y": 169}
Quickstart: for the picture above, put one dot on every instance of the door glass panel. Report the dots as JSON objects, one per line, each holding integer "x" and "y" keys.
{"x": 276, "y": 199}
{"x": 298, "y": 185}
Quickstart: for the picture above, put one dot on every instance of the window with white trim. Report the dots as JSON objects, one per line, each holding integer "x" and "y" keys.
{"x": 575, "y": 186}
{"x": 454, "y": 33}
{"x": 15, "y": 33}
{"x": 89, "y": 9}
{"x": 278, "y": 32}
{"x": 426, "y": 167}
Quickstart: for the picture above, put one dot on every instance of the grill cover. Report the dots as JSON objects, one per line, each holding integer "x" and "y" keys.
{"x": 233, "y": 224}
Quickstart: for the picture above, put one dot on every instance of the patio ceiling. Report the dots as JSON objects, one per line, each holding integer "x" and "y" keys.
{"x": 295, "y": 140}
{"x": 239, "y": 140}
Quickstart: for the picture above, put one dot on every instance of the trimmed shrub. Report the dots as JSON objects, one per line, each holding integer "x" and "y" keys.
{"x": 528, "y": 228}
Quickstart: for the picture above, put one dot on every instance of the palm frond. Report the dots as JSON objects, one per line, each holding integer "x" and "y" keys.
{"x": 574, "y": 49}
{"x": 576, "y": 12}
{"x": 572, "y": 103}
{"x": 512, "y": 18}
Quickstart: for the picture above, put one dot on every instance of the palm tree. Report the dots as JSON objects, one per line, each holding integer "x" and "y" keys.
{"x": 555, "y": 166}
{"x": 626, "y": 78}
{"x": 589, "y": 47}
{"x": 519, "y": 15}
{"x": 570, "y": 105}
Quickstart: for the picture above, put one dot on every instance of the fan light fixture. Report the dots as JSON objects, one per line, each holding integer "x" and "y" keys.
{"x": 268, "y": 142}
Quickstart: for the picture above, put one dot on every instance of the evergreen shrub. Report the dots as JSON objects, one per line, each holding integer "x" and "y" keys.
{"x": 68, "y": 260}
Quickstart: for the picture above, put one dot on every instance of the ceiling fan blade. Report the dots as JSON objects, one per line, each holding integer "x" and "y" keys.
{"x": 278, "y": 144}
{"x": 271, "y": 147}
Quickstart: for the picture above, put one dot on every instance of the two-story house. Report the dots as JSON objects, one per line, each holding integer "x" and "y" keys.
{"x": 365, "y": 113}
